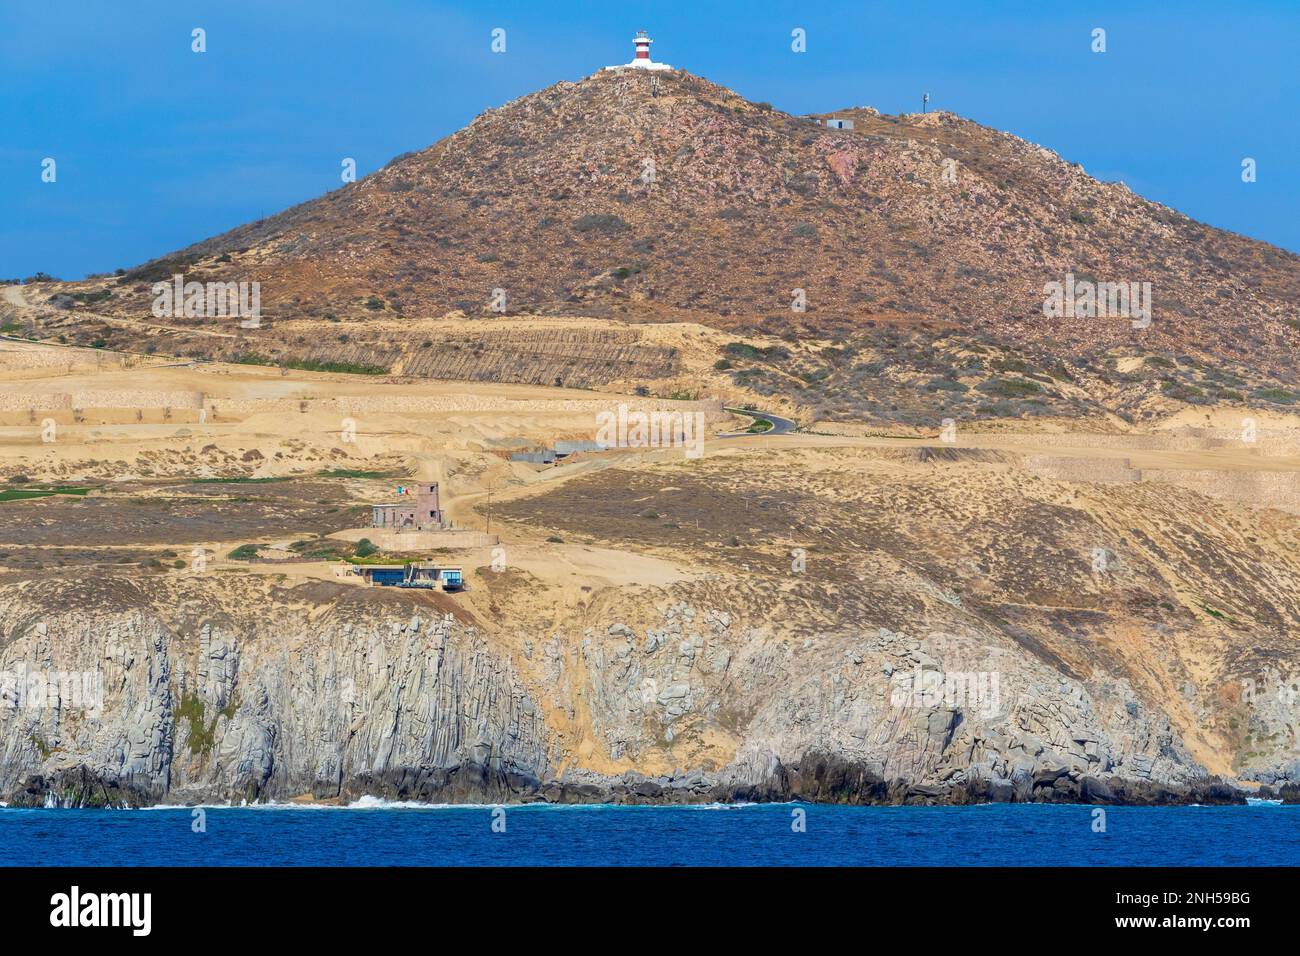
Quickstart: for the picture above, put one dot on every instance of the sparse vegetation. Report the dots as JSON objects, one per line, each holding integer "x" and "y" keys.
{"x": 605, "y": 223}
{"x": 744, "y": 350}
{"x": 40, "y": 491}
{"x": 348, "y": 368}
{"x": 1009, "y": 387}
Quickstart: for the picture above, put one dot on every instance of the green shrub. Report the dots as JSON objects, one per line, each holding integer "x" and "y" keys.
{"x": 946, "y": 385}
{"x": 746, "y": 351}
{"x": 1009, "y": 387}
{"x": 602, "y": 222}
{"x": 350, "y": 368}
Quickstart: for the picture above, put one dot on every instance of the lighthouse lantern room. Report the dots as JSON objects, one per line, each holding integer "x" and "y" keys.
{"x": 641, "y": 42}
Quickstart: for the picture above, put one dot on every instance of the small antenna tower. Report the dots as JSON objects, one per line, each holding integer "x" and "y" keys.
{"x": 925, "y": 102}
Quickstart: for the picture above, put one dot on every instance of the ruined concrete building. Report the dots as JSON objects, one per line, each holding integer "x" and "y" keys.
{"x": 421, "y": 512}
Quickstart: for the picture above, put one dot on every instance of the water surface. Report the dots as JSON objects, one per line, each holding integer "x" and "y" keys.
{"x": 379, "y": 834}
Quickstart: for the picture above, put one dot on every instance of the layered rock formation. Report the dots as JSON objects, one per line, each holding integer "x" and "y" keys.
{"x": 231, "y": 690}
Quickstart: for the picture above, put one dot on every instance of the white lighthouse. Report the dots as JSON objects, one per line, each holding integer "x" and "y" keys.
{"x": 641, "y": 42}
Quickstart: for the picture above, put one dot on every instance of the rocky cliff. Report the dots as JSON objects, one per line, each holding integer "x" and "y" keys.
{"x": 225, "y": 687}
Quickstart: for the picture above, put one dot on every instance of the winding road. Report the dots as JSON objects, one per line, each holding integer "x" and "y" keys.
{"x": 780, "y": 426}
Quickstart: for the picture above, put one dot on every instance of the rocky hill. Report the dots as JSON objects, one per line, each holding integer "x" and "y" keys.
{"x": 610, "y": 196}
{"x": 1102, "y": 613}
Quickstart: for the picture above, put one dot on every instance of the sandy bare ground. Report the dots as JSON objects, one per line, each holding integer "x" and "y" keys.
{"x": 260, "y": 422}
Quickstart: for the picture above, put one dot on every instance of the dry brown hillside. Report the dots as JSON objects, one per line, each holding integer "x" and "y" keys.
{"x": 607, "y": 198}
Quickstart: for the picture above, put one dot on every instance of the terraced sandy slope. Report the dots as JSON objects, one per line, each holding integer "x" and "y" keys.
{"x": 649, "y": 626}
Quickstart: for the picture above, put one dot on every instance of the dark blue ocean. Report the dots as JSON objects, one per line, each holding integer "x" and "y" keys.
{"x": 379, "y": 835}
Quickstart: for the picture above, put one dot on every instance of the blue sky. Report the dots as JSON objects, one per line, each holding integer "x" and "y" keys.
{"x": 157, "y": 146}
